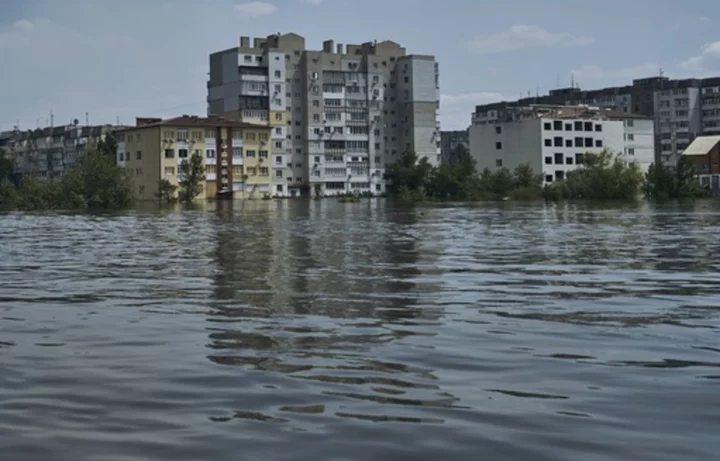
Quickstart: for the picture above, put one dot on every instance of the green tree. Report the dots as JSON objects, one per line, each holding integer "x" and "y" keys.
{"x": 192, "y": 174}
{"x": 407, "y": 178}
{"x": 96, "y": 182}
{"x": 166, "y": 191}
{"x": 526, "y": 184}
{"x": 6, "y": 166}
{"x": 8, "y": 195}
{"x": 108, "y": 146}
{"x": 603, "y": 176}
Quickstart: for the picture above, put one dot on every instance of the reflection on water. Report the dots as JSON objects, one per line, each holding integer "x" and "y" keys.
{"x": 321, "y": 330}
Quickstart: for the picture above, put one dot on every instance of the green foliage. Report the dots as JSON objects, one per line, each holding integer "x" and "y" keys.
{"x": 193, "y": 176}
{"x": 6, "y": 166}
{"x": 95, "y": 182}
{"x": 166, "y": 191}
{"x": 663, "y": 183}
{"x": 603, "y": 176}
{"x": 413, "y": 181}
{"x": 108, "y": 146}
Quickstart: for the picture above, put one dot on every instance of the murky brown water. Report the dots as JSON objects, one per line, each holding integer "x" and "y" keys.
{"x": 303, "y": 330}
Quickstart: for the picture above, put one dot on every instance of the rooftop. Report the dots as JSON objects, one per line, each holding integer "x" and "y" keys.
{"x": 191, "y": 121}
{"x": 702, "y": 145}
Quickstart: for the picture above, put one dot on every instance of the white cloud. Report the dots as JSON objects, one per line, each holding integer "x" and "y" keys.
{"x": 523, "y": 37}
{"x": 708, "y": 58}
{"x": 595, "y": 73}
{"x": 255, "y": 9}
{"x": 456, "y": 109}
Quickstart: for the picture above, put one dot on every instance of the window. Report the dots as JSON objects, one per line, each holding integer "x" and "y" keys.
{"x": 317, "y": 159}
{"x": 559, "y": 175}
{"x": 598, "y": 143}
{"x": 548, "y": 178}
{"x": 547, "y": 126}
{"x": 578, "y": 126}
{"x": 316, "y": 117}
{"x": 250, "y": 153}
{"x": 182, "y": 153}
{"x": 279, "y": 174}
{"x": 210, "y": 153}
{"x": 237, "y": 152}
{"x": 598, "y": 127}
{"x": 568, "y": 143}
{"x": 631, "y": 151}
{"x": 279, "y": 188}
{"x": 629, "y": 122}
{"x": 631, "y": 137}
{"x": 498, "y": 163}
{"x": 138, "y": 155}
{"x": 263, "y": 154}
{"x": 568, "y": 127}
{"x": 263, "y": 137}
{"x": 278, "y": 116}
{"x": 121, "y": 156}
{"x": 548, "y": 143}
{"x": 498, "y": 145}
{"x": 182, "y": 135}
{"x": 579, "y": 159}
{"x": 588, "y": 142}
{"x": 558, "y": 141}
{"x": 557, "y": 125}
{"x": 278, "y": 131}
{"x": 278, "y": 144}
{"x": 579, "y": 142}
{"x": 169, "y": 153}
{"x": 558, "y": 159}
{"x": 498, "y": 130}
{"x": 548, "y": 160}
{"x": 278, "y": 159}
{"x": 170, "y": 171}
{"x": 264, "y": 171}
{"x": 278, "y": 74}
{"x": 588, "y": 126}
{"x": 250, "y": 136}
{"x": 568, "y": 160}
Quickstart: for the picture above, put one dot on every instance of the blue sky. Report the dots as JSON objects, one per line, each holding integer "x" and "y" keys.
{"x": 149, "y": 58}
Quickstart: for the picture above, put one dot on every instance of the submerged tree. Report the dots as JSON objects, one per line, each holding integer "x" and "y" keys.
{"x": 192, "y": 174}
{"x": 663, "y": 183}
{"x": 166, "y": 191}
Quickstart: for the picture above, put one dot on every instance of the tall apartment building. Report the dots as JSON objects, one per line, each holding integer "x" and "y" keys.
{"x": 449, "y": 141}
{"x": 52, "y": 151}
{"x": 681, "y": 109}
{"x": 338, "y": 116}
{"x": 237, "y": 163}
{"x": 554, "y": 139}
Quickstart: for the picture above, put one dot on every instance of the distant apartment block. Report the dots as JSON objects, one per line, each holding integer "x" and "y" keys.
{"x": 554, "y": 139}
{"x": 338, "y": 116}
{"x": 235, "y": 154}
{"x": 681, "y": 109}
{"x": 52, "y": 151}
{"x": 449, "y": 142}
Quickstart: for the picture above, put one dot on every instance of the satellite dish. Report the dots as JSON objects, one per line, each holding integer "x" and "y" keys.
{"x": 76, "y": 121}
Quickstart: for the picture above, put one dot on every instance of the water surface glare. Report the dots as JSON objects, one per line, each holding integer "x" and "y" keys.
{"x": 296, "y": 330}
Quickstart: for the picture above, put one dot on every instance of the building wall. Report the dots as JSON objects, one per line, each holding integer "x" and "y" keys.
{"x": 639, "y": 135}
{"x": 520, "y": 143}
{"x": 142, "y": 162}
{"x": 555, "y": 146}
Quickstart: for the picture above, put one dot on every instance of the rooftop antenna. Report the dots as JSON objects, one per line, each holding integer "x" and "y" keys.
{"x": 572, "y": 80}
{"x": 87, "y": 118}
{"x": 52, "y": 118}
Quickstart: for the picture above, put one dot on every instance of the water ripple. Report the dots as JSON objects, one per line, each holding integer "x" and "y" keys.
{"x": 361, "y": 331}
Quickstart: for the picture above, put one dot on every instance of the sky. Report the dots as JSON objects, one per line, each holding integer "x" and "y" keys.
{"x": 111, "y": 60}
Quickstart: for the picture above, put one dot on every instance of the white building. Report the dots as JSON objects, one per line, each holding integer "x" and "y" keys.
{"x": 554, "y": 139}
{"x": 339, "y": 115}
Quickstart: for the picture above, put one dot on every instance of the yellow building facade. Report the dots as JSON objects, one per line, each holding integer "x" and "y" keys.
{"x": 155, "y": 149}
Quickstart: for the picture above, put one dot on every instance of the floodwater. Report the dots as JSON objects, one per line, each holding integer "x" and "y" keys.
{"x": 317, "y": 330}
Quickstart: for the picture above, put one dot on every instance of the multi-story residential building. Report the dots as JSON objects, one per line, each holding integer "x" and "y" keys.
{"x": 236, "y": 159}
{"x": 682, "y": 109}
{"x": 449, "y": 141}
{"x": 52, "y": 151}
{"x": 338, "y": 115}
{"x": 554, "y": 139}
